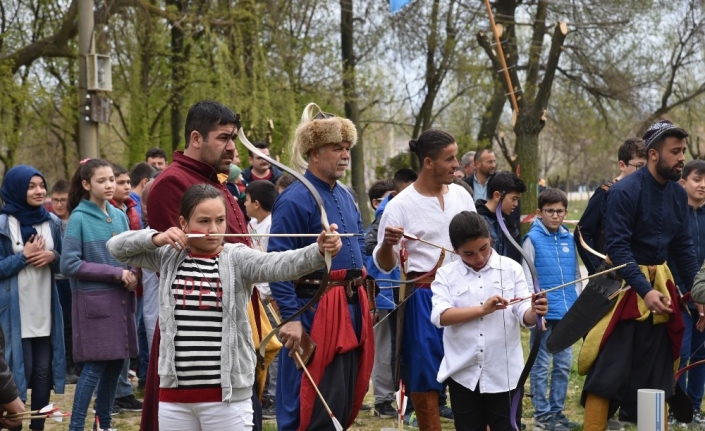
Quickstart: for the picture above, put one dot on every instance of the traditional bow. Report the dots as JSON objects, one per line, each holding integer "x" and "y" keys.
{"x": 516, "y": 399}
{"x": 324, "y": 222}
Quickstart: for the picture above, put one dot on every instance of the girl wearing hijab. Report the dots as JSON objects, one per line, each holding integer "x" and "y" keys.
{"x": 30, "y": 314}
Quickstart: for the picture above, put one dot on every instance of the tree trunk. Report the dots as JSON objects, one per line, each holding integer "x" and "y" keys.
{"x": 493, "y": 112}
{"x": 527, "y": 131}
{"x": 351, "y": 109}
{"x": 178, "y": 66}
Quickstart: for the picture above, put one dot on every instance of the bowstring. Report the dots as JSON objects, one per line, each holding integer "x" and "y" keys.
{"x": 504, "y": 323}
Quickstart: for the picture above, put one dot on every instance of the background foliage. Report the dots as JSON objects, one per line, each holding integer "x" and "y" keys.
{"x": 622, "y": 65}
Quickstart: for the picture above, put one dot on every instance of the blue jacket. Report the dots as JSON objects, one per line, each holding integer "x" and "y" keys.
{"x": 385, "y": 298}
{"x": 697, "y": 228}
{"x": 10, "y": 265}
{"x": 555, "y": 261}
{"x": 247, "y": 175}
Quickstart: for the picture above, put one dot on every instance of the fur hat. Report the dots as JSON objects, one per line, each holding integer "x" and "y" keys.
{"x": 323, "y": 131}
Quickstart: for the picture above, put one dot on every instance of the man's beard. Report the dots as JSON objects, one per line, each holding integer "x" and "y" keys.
{"x": 487, "y": 172}
{"x": 667, "y": 172}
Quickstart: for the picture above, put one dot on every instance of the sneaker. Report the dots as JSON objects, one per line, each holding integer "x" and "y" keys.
{"x": 446, "y": 412}
{"x": 365, "y": 408}
{"x": 385, "y": 410}
{"x": 410, "y": 420}
{"x": 563, "y": 419}
{"x": 71, "y": 378}
{"x": 129, "y": 403}
{"x": 673, "y": 424}
{"x": 549, "y": 423}
{"x": 614, "y": 425}
{"x": 698, "y": 418}
{"x": 269, "y": 412}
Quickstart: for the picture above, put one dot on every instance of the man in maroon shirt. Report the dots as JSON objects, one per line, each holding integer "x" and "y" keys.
{"x": 210, "y": 149}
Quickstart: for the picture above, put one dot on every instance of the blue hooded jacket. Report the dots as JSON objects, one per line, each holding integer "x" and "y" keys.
{"x": 555, "y": 261}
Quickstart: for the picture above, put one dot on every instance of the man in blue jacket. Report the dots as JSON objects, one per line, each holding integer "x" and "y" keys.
{"x": 259, "y": 168}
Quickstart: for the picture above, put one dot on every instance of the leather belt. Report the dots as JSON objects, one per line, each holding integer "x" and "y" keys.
{"x": 424, "y": 283}
{"x": 305, "y": 285}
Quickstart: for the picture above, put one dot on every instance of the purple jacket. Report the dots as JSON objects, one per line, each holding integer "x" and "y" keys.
{"x": 103, "y": 310}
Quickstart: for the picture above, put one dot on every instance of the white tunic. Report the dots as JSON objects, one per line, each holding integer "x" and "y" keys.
{"x": 423, "y": 216}
{"x": 488, "y": 349}
{"x": 34, "y": 285}
{"x": 261, "y": 243}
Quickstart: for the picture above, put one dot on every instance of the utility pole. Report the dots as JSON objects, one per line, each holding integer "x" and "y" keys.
{"x": 87, "y": 129}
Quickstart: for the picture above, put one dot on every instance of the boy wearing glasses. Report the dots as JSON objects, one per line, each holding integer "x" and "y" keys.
{"x": 551, "y": 246}
{"x": 632, "y": 156}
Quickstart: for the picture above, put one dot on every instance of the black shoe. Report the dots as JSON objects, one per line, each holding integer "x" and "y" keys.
{"x": 128, "y": 403}
{"x": 446, "y": 412}
{"x": 269, "y": 412}
{"x": 71, "y": 379}
{"x": 385, "y": 410}
{"x": 365, "y": 408}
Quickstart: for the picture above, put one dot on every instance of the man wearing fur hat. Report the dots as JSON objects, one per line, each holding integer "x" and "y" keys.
{"x": 638, "y": 342}
{"x": 340, "y": 324}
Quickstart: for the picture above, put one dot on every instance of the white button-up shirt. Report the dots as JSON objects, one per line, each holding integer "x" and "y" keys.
{"x": 486, "y": 350}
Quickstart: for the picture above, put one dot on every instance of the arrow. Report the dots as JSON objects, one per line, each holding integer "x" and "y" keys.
{"x": 597, "y": 274}
{"x": 268, "y": 235}
{"x": 297, "y": 356}
{"x": 416, "y": 238}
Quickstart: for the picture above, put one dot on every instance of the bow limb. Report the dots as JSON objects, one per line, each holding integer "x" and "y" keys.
{"x": 587, "y": 247}
{"x": 516, "y": 399}
{"x": 324, "y": 222}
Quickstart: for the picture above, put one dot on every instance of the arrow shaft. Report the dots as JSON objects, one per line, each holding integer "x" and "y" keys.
{"x": 298, "y": 358}
{"x": 269, "y": 235}
{"x": 597, "y": 274}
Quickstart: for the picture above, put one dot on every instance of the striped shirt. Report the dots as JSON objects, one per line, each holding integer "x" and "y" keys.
{"x": 198, "y": 313}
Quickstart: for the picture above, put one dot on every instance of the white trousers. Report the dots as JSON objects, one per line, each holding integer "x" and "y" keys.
{"x": 205, "y": 416}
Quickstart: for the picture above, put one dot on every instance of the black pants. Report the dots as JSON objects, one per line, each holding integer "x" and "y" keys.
{"x": 474, "y": 411}
{"x": 636, "y": 355}
{"x": 338, "y": 389}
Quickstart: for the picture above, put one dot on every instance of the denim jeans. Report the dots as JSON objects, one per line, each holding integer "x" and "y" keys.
{"x": 124, "y": 386}
{"x": 546, "y": 404}
{"x": 37, "y": 353}
{"x": 104, "y": 375}
{"x": 692, "y": 350}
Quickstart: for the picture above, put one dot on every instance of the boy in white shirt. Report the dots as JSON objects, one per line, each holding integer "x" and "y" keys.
{"x": 259, "y": 199}
{"x": 472, "y": 300}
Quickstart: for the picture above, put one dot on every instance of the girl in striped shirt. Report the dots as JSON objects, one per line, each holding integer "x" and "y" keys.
{"x": 206, "y": 355}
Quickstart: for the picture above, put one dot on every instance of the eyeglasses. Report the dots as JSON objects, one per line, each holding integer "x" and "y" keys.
{"x": 59, "y": 201}
{"x": 551, "y": 212}
{"x": 637, "y": 166}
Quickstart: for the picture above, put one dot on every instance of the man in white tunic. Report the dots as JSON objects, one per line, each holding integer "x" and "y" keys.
{"x": 425, "y": 210}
